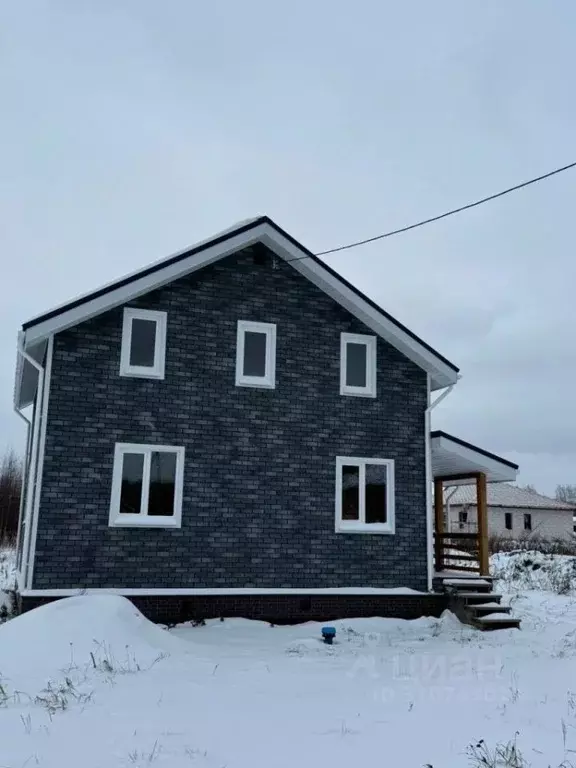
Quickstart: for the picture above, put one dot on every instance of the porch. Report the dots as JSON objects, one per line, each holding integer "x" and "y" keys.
{"x": 456, "y": 462}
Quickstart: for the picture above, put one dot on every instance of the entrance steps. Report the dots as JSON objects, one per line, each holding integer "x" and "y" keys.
{"x": 474, "y": 602}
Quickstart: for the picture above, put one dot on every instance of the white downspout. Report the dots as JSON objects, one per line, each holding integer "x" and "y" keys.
{"x": 19, "y": 554}
{"x": 30, "y": 476}
{"x": 429, "y": 478}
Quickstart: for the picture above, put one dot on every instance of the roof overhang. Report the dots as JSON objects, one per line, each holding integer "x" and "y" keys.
{"x": 442, "y": 372}
{"x": 27, "y": 374}
{"x": 456, "y": 461}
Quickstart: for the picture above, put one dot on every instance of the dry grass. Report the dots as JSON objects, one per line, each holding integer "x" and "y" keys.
{"x": 532, "y": 542}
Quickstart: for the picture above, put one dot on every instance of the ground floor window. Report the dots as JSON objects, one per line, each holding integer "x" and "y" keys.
{"x": 527, "y": 521}
{"x": 508, "y": 521}
{"x": 147, "y": 485}
{"x": 364, "y": 495}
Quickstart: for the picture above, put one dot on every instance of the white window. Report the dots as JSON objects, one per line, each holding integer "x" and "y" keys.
{"x": 147, "y": 486}
{"x": 143, "y": 343}
{"x": 256, "y": 355}
{"x": 357, "y": 365}
{"x": 364, "y": 495}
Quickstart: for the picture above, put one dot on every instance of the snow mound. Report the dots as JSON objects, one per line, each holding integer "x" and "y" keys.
{"x": 520, "y": 570}
{"x": 89, "y": 632}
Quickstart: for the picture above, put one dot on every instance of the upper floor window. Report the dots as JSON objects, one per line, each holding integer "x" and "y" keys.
{"x": 256, "y": 354}
{"x": 357, "y": 365}
{"x": 143, "y": 343}
{"x": 147, "y": 485}
{"x": 364, "y": 495}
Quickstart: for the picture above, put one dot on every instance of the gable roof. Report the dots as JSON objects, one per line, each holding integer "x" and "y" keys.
{"x": 505, "y": 495}
{"x": 246, "y": 233}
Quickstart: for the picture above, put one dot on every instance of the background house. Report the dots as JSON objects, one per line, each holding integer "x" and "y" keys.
{"x": 512, "y": 511}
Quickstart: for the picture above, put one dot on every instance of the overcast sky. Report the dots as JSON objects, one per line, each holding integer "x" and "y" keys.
{"x": 129, "y": 130}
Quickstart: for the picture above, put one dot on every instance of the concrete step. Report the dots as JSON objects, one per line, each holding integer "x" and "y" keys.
{"x": 471, "y": 598}
{"x": 478, "y": 611}
{"x": 467, "y": 585}
{"x": 495, "y": 621}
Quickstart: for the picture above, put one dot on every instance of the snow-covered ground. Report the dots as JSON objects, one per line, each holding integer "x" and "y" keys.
{"x": 88, "y": 681}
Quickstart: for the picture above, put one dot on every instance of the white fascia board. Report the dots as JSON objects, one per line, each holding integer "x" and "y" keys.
{"x": 20, "y": 342}
{"x": 26, "y": 377}
{"x": 496, "y": 471}
{"x": 441, "y": 374}
{"x": 140, "y": 286}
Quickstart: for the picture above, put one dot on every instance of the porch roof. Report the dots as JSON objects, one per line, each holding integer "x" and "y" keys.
{"x": 455, "y": 460}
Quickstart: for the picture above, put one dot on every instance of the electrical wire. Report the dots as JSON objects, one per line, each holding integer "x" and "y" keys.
{"x": 442, "y": 215}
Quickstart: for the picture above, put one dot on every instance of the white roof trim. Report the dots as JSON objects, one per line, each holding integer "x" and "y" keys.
{"x": 449, "y": 457}
{"x": 442, "y": 374}
{"x": 139, "y": 286}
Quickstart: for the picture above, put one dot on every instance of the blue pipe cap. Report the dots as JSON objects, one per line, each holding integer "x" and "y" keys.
{"x": 328, "y": 631}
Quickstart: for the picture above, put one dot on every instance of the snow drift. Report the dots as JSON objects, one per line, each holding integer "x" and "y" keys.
{"x": 104, "y": 632}
{"x": 521, "y": 570}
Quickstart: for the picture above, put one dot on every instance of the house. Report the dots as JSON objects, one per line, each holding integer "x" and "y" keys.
{"x": 512, "y": 512}
{"x": 234, "y": 430}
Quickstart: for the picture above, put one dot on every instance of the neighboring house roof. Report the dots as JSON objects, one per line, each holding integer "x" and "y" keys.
{"x": 505, "y": 495}
{"x": 242, "y": 235}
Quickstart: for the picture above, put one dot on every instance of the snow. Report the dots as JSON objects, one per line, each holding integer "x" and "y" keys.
{"x": 491, "y": 618}
{"x": 535, "y": 570}
{"x": 243, "y": 694}
{"x": 7, "y": 577}
{"x": 67, "y": 631}
{"x": 7, "y": 567}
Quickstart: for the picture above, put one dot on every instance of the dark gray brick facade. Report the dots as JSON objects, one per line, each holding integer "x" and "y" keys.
{"x": 259, "y": 474}
{"x": 282, "y": 608}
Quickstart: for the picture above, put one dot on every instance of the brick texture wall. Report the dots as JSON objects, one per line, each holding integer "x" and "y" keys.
{"x": 258, "y": 499}
{"x": 277, "y": 609}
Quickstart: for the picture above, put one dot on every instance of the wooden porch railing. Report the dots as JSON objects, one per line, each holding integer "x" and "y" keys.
{"x": 466, "y": 558}
{"x": 479, "y": 552}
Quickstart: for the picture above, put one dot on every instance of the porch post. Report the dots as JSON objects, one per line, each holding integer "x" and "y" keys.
{"x": 438, "y": 523}
{"x": 482, "y": 524}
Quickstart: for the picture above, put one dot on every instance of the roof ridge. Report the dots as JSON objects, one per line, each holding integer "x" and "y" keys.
{"x": 510, "y": 495}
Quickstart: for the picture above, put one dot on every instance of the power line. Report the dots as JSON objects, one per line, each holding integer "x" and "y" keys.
{"x": 442, "y": 215}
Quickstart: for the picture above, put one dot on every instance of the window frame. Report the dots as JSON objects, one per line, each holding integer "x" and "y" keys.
{"x": 118, "y": 519}
{"x": 528, "y": 519}
{"x": 370, "y": 343}
{"x": 359, "y": 526}
{"x": 268, "y": 381}
{"x": 508, "y": 516}
{"x": 143, "y": 371}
